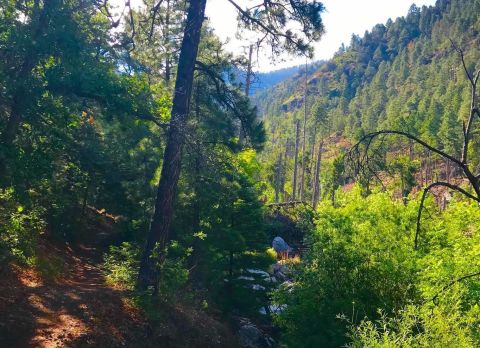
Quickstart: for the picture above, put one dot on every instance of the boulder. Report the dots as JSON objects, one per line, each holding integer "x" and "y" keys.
{"x": 250, "y": 336}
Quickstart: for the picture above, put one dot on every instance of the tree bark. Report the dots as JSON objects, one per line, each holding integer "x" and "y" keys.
{"x": 162, "y": 217}
{"x": 411, "y": 153}
{"x": 248, "y": 80}
{"x": 316, "y": 184}
{"x": 302, "y": 183}
{"x": 167, "y": 37}
{"x": 249, "y": 71}
{"x": 197, "y": 243}
{"x": 284, "y": 172}
{"x": 312, "y": 159}
{"x": 295, "y": 163}
{"x": 278, "y": 178}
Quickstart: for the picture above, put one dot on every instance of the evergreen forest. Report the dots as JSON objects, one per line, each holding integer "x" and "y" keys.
{"x": 158, "y": 191}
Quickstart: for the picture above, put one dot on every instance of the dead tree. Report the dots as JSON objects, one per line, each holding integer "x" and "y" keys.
{"x": 248, "y": 80}
{"x": 278, "y": 177}
{"x": 284, "y": 173}
{"x": 359, "y": 158}
{"x": 316, "y": 183}
{"x": 302, "y": 182}
{"x": 312, "y": 158}
{"x": 295, "y": 163}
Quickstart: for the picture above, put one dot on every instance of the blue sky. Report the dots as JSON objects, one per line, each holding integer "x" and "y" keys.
{"x": 341, "y": 20}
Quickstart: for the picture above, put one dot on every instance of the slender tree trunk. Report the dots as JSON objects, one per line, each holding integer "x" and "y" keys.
{"x": 411, "y": 152}
{"x": 168, "y": 72}
{"x": 295, "y": 163}
{"x": 447, "y": 174}
{"x": 317, "y": 184}
{"x": 302, "y": 183}
{"x": 85, "y": 197}
{"x": 162, "y": 217}
{"x": 248, "y": 80}
{"x": 278, "y": 178}
{"x": 197, "y": 244}
{"x": 421, "y": 174}
{"x": 284, "y": 172}
{"x": 312, "y": 159}
{"x": 429, "y": 168}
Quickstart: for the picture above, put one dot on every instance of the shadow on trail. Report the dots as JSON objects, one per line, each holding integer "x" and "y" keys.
{"x": 79, "y": 310}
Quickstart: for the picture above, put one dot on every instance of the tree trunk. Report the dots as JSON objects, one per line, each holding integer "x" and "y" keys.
{"x": 197, "y": 243}
{"x": 248, "y": 80}
{"x": 167, "y": 37}
{"x": 316, "y": 184}
{"x": 447, "y": 169}
{"x": 411, "y": 152}
{"x": 295, "y": 163}
{"x": 312, "y": 160}
{"x": 162, "y": 217}
{"x": 302, "y": 183}
{"x": 284, "y": 171}
{"x": 278, "y": 178}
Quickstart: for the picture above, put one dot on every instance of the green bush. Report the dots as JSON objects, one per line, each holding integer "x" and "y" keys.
{"x": 173, "y": 272}
{"x": 424, "y": 326}
{"x": 121, "y": 265}
{"x": 360, "y": 260}
{"x": 449, "y": 314}
{"x": 363, "y": 274}
{"x": 19, "y": 228}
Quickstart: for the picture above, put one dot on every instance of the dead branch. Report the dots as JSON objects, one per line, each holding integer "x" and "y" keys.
{"x": 359, "y": 158}
{"x": 453, "y": 282}
{"x": 424, "y": 195}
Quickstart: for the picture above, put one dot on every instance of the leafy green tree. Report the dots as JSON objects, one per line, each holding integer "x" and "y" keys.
{"x": 276, "y": 15}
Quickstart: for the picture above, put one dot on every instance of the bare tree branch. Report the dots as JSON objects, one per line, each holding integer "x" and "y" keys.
{"x": 424, "y": 195}
{"x": 453, "y": 282}
{"x": 411, "y": 137}
{"x": 473, "y": 79}
{"x": 462, "y": 58}
{"x": 286, "y": 204}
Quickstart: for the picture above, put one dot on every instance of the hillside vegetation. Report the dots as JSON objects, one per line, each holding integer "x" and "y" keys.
{"x": 145, "y": 201}
{"x": 403, "y": 75}
{"x": 378, "y": 273}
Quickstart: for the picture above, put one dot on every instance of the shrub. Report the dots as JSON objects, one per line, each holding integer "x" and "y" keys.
{"x": 362, "y": 267}
{"x": 121, "y": 265}
{"x": 423, "y": 326}
{"x": 19, "y": 228}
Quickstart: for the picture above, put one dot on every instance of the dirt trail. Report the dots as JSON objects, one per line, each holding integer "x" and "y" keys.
{"x": 78, "y": 310}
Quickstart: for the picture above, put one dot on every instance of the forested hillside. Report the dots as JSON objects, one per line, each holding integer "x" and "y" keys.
{"x": 264, "y": 80}
{"x": 403, "y": 75}
{"x": 382, "y": 141}
{"x": 151, "y": 197}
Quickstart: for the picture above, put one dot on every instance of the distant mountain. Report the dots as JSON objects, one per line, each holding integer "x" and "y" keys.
{"x": 265, "y": 80}
{"x": 403, "y": 74}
